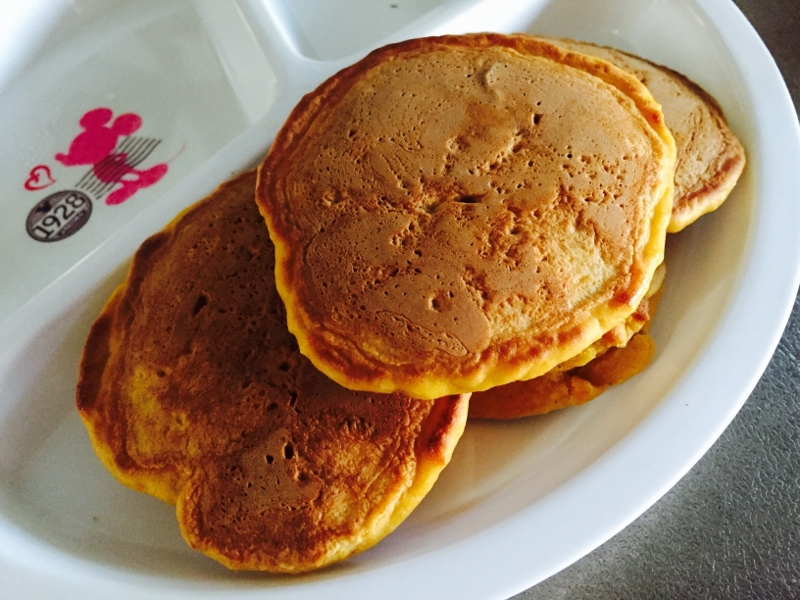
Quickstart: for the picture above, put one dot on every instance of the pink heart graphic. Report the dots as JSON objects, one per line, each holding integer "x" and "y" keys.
{"x": 40, "y": 178}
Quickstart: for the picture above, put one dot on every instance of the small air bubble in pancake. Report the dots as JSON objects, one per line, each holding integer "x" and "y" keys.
{"x": 201, "y": 302}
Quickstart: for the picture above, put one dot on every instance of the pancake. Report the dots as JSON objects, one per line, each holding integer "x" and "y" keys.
{"x": 710, "y": 158}
{"x": 618, "y": 336}
{"x": 616, "y": 357}
{"x": 559, "y": 389}
{"x": 455, "y": 213}
{"x": 192, "y": 390}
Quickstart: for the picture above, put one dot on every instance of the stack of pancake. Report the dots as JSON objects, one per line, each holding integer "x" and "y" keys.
{"x": 709, "y": 161}
{"x": 477, "y": 215}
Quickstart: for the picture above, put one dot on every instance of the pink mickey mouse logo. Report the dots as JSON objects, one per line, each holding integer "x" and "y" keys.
{"x": 98, "y": 140}
{"x": 97, "y": 145}
{"x": 109, "y": 147}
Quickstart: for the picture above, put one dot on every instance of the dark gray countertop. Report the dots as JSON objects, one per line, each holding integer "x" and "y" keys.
{"x": 731, "y": 527}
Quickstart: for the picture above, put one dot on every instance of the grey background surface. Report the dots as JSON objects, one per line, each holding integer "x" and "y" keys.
{"x": 731, "y": 527}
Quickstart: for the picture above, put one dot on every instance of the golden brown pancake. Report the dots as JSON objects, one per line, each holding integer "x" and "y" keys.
{"x": 192, "y": 390}
{"x": 616, "y": 357}
{"x": 618, "y": 336}
{"x": 455, "y": 213}
{"x": 559, "y": 389}
{"x": 710, "y": 158}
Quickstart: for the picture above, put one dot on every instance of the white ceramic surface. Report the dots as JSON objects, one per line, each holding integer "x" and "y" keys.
{"x": 520, "y": 500}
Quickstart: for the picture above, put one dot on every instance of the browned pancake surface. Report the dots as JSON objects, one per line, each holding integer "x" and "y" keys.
{"x": 710, "y": 158}
{"x": 193, "y": 390}
{"x": 613, "y": 360}
{"x": 455, "y": 213}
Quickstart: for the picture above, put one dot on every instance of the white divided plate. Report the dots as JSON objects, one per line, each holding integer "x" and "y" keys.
{"x": 210, "y": 83}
